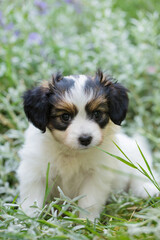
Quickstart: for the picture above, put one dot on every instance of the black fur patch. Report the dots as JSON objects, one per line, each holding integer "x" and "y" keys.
{"x": 117, "y": 103}
{"x": 39, "y": 101}
{"x": 37, "y": 107}
{"x": 56, "y": 121}
{"x": 105, "y": 86}
{"x": 64, "y": 85}
{"x": 91, "y": 85}
{"x": 60, "y": 84}
{"x": 99, "y": 101}
{"x": 116, "y": 95}
{"x": 104, "y": 114}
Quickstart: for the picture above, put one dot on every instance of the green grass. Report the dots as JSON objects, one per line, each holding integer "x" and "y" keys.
{"x": 121, "y": 37}
{"x": 132, "y": 9}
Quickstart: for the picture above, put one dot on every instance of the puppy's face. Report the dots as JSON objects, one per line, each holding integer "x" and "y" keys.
{"x": 77, "y": 109}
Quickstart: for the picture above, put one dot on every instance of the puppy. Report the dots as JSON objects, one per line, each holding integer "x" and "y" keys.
{"x": 69, "y": 117}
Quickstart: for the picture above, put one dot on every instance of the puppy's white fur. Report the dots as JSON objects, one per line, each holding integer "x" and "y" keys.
{"x": 79, "y": 171}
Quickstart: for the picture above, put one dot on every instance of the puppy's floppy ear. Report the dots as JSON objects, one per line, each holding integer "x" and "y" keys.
{"x": 37, "y": 107}
{"x": 116, "y": 95}
{"x": 117, "y": 102}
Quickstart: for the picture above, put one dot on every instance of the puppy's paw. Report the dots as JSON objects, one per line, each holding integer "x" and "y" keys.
{"x": 90, "y": 213}
{"x": 31, "y": 210}
{"x": 92, "y": 217}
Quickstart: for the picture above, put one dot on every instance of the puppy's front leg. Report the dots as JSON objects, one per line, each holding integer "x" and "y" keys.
{"x": 31, "y": 192}
{"x": 32, "y": 189}
{"x": 28, "y": 198}
{"x": 96, "y": 194}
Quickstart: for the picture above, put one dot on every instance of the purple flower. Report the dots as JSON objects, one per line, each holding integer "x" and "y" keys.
{"x": 17, "y": 33}
{"x": 35, "y": 38}
{"x": 9, "y": 26}
{"x": 68, "y": 1}
{"x": 78, "y": 8}
{"x": 41, "y": 5}
{"x": 75, "y": 4}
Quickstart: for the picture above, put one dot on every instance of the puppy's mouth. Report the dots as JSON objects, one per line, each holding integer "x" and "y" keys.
{"x": 81, "y": 148}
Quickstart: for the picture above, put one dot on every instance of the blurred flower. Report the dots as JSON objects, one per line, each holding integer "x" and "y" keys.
{"x": 151, "y": 70}
{"x": 78, "y": 8}
{"x": 76, "y": 5}
{"x": 17, "y": 33}
{"x": 9, "y": 26}
{"x": 34, "y": 38}
{"x": 1, "y": 19}
{"x": 41, "y": 5}
{"x": 68, "y": 1}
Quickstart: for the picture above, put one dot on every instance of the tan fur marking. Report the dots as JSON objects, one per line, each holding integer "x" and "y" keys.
{"x": 93, "y": 104}
{"x": 65, "y": 106}
{"x": 106, "y": 81}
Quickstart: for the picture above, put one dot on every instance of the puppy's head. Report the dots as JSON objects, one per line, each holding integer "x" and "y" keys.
{"x": 77, "y": 109}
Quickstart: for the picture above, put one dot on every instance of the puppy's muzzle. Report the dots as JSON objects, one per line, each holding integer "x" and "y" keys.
{"x": 85, "y": 139}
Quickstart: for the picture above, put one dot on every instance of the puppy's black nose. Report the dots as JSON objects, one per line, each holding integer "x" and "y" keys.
{"x": 85, "y": 139}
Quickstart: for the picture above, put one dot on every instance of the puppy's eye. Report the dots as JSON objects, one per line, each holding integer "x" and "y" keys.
{"x": 97, "y": 115}
{"x": 66, "y": 117}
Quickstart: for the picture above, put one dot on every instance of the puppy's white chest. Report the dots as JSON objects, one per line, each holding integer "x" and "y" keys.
{"x": 68, "y": 174}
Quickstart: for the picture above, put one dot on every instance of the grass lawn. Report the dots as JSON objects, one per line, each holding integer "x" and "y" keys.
{"x": 37, "y": 38}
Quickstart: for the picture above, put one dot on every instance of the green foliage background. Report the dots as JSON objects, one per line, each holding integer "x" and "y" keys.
{"x": 39, "y": 38}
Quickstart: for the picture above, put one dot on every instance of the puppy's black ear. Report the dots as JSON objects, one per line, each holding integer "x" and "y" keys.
{"x": 117, "y": 102}
{"x": 37, "y": 107}
{"x": 116, "y": 95}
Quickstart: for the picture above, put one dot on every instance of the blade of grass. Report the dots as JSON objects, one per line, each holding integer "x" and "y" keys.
{"x": 146, "y": 163}
{"x": 119, "y": 158}
{"x": 131, "y": 164}
{"x": 143, "y": 170}
{"x": 52, "y": 225}
{"x": 120, "y": 172}
{"x": 146, "y": 174}
{"x": 122, "y": 152}
{"x": 117, "y": 218}
{"x": 46, "y": 189}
